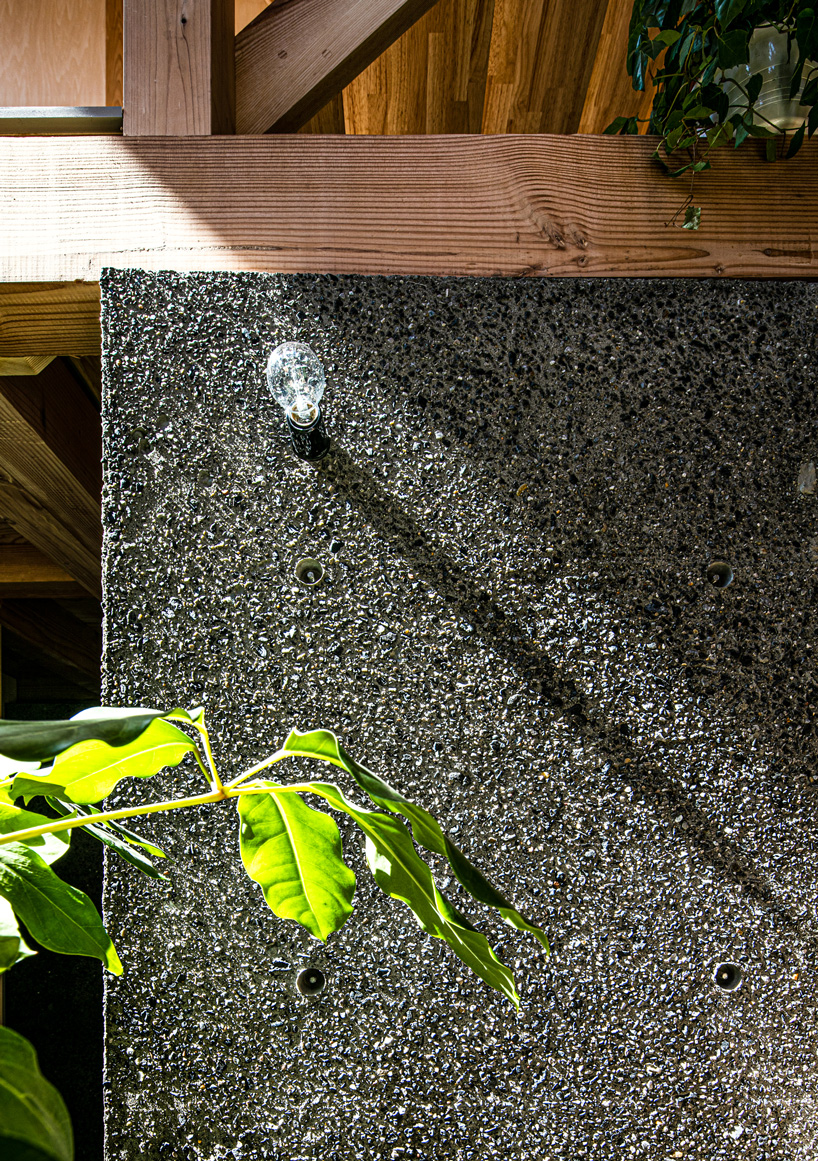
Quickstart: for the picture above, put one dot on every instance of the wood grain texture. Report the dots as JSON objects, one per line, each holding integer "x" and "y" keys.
{"x": 432, "y": 80}
{"x": 113, "y": 52}
{"x": 24, "y": 364}
{"x": 179, "y": 67}
{"x": 54, "y": 537}
{"x": 49, "y": 318}
{"x": 329, "y": 119}
{"x": 26, "y": 572}
{"x": 88, "y": 369}
{"x": 52, "y": 53}
{"x": 610, "y": 93}
{"x": 293, "y": 58}
{"x": 509, "y": 205}
{"x": 56, "y": 408}
{"x": 49, "y": 490}
{"x": 540, "y": 62}
{"x": 54, "y": 633}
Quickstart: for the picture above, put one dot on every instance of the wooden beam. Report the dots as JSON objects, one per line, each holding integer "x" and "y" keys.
{"x": 610, "y": 93}
{"x": 50, "y": 471}
{"x": 513, "y": 206}
{"x": 179, "y": 66}
{"x": 294, "y": 58}
{"x": 88, "y": 368}
{"x": 540, "y": 62}
{"x": 58, "y": 414}
{"x": 49, "y": 318}
{"x": 24, "y": 364}
{"x": 27, "y": 572}
{"x": 54, "y": 633}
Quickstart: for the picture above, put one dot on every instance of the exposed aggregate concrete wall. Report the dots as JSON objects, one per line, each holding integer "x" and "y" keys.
{"x": 529, "y": 482}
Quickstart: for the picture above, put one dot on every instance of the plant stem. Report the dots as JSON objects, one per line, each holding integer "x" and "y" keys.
{"x": 265, "y": 762}
{"x": 152, "y": 808}
{"x": 215, "y": 780}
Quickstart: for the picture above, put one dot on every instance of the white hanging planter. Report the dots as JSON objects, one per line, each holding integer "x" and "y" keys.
{"x": 774, "y": 55}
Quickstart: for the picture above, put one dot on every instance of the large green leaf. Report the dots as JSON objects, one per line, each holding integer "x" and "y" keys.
{"x": 12, "y": 945}
{"x": 26, "y": 742}
{"x": 294, "y": 853}
{"x": 39, "y": 741}
{"x": 49, "y": 847}
{"x": 34, "y": 1122}
{"x": 89, "y": 770}
{"x": 323, "y": 744}
{"x": 58, "y": 916}
{"x": 400, "y": 872}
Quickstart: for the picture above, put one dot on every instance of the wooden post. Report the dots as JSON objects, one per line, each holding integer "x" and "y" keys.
{"x": 179, "y": 64}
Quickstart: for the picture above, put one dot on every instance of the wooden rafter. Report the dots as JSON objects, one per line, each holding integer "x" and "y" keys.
{"x": 294, "y": 58}
{"x": 27, "y": 572}
{"x": 55, "y": 634}
{"x": 179, "y": 61}
{"x": 509, "y": 205}
{"x": 50, "y": 471}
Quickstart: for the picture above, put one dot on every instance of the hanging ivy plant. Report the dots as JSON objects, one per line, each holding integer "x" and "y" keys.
{"x": 709, "y": 83}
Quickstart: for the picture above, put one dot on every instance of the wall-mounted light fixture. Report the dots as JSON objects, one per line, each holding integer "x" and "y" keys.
{"x": 296, "y": 379}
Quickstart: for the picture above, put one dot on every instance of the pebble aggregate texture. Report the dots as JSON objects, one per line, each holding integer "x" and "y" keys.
{"x": 528, "y": 483}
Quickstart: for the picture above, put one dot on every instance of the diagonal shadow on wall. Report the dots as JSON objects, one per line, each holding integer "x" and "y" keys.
{"x": 503, "y": 634}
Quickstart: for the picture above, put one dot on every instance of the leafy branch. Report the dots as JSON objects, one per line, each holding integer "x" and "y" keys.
{"x": 290, "y": 849}
{"x": 691, "y": 53}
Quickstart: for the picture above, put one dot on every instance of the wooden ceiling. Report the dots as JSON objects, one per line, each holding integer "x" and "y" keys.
{"x": 492, "y": 66}
{"x": 466, "y": 66}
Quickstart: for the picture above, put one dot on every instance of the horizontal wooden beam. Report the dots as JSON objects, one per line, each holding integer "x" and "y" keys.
{"x": 27, "y": 572}
{"x": 294, "y": 58}
{"x": 54, "y": 633}
{"x": 49, "y": 318}
{"x": 516, "y": 206}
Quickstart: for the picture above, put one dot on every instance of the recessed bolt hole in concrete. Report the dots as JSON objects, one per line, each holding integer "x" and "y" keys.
{"x": 309, "y": 572}
{"x": 720, "y": 574}
{"x": 311, "y": 981}
{"x": 728, "y": 976}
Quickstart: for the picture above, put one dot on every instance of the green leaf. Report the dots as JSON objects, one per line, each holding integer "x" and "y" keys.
{"x": 323, "y": 744}
{"x": 812, "y": 121}
{"x": 112, "y": 834}
{"x": 12, "y": 945}
{"x": 49, "y": 847}
{"x": 39, "y": 741}
{"x": 728, "y": 10}
{"x": 89, "y": 770}
{"x": 58, "y": 916}
{"x": 34, "y": 1122}
{"x": 400, "y": 872}
{"x": 733, "y": 49}
{"x": 619, "y": 125}
{"x": 666, "y": 38}
{"x": 294, "y": 853}
{"x": 797, "y": 141}
{"x": 693, "y": 217}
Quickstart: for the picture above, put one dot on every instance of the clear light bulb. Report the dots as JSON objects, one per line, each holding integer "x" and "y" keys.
{"x": 296, "y": 379}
